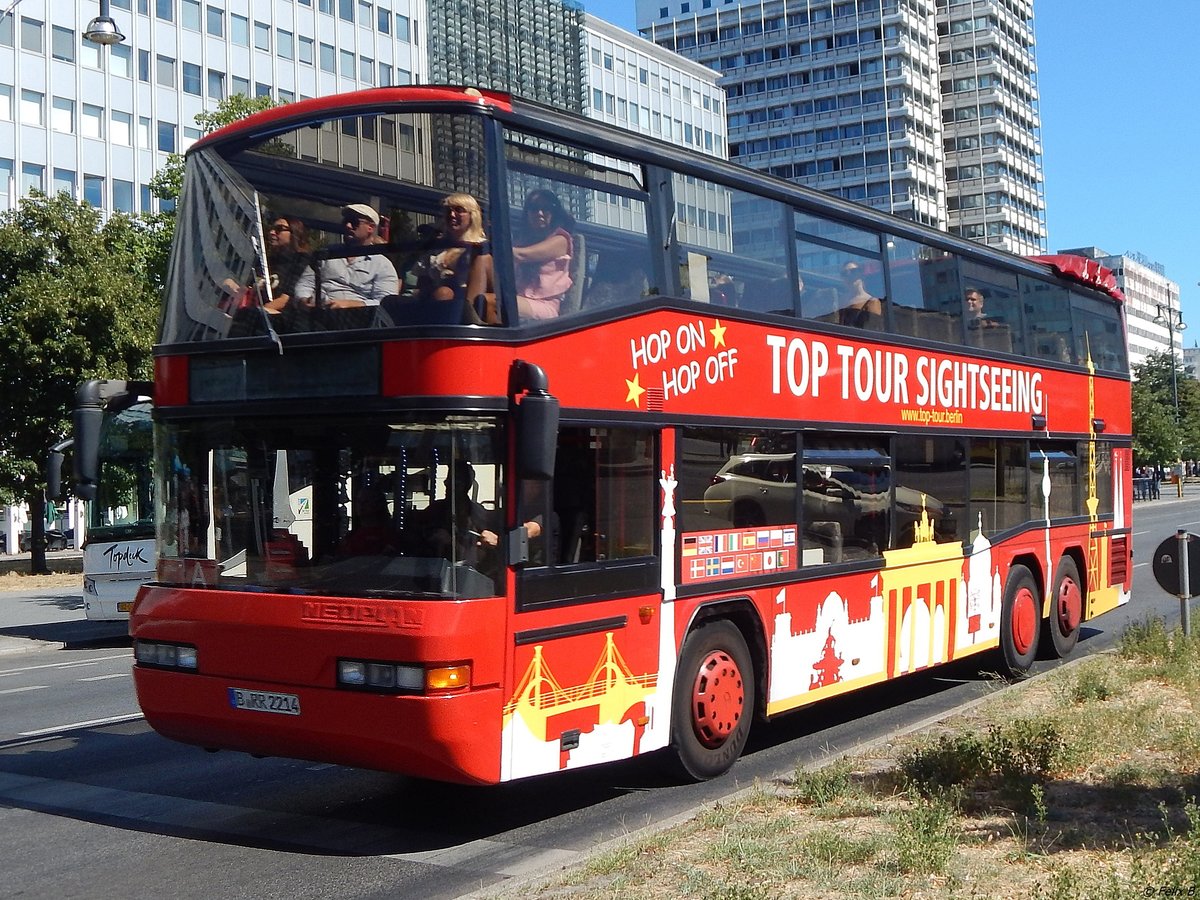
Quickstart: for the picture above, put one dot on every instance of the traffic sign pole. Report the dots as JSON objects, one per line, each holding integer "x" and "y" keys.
{"x": 1185, "y": 593}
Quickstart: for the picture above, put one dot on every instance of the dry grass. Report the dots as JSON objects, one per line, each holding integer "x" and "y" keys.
{"x": 1075, "y": 786}
{"x": 20, "y": 581}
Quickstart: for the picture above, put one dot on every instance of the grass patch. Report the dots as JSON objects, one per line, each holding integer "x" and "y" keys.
{"x": 1078, "y": 786}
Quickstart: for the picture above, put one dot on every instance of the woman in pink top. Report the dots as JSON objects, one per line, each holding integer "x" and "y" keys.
{"x": 543, "y": 263}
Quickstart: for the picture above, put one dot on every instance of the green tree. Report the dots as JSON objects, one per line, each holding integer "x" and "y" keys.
{"x": 77, "y": 301}
{"x": 1159, "y": 437}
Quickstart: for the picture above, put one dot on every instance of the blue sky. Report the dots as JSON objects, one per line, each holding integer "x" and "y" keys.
{"x": 1120, "y": 102}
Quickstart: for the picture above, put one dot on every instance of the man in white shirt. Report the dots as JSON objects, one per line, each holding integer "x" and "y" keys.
{"x": 352, "y": 281}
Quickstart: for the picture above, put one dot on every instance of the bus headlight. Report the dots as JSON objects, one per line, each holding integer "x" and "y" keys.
{"x": 163, "y": 655}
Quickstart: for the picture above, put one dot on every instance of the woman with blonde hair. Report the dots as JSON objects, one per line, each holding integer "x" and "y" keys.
{"x": 463, "y": 269}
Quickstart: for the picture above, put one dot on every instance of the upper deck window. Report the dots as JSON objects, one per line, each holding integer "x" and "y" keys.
{"x": 272, "y": 237}
{"x": 579, "y": 229}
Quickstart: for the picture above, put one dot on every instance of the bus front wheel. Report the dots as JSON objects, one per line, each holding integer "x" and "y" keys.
{"x": 1066, "y": 608}
{"x": 1020, "y": 621}
{"x": 713, "y": 702}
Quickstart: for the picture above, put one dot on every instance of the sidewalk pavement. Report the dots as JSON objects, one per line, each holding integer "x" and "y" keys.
{"x": 1168, "y": 492}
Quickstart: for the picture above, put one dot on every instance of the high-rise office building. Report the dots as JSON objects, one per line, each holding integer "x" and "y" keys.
{"x": 877, "y": 100}
{"x": 991, "y": 125}
{"x": 1154, "y": 321}
{"x": 532, "y": 48}
{"x": 552, "y": 52}
{"x": 638, "y": 85}
{"x": 98, "y": 122}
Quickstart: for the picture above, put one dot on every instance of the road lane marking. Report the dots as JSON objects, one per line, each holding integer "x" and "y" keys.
{"x": 59, "y": 665}
{"x": 106, "y": 677}
{"x": 21, "y": 690}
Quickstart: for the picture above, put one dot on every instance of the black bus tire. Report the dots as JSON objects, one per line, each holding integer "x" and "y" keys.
{"x": 713, "y": 702}
{"x": 1020, "y": 621}
{"x": 1066, "y": 608}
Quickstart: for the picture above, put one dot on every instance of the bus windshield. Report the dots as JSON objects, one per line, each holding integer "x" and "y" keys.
{"x": 123, "y": 508}
{"x": 405, "y": 506}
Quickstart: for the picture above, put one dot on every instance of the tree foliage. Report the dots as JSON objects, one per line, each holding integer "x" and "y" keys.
{"x": 1158, "y": 437}
{"x": 76, "y": 302}
{"x": 79, "y": 299}
{"x": 167, "y": 183}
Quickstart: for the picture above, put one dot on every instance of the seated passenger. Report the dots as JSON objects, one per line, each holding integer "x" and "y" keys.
{"x": 287, "y": 260}
{"x": 352, "y": 281}
{"x": 543, "y": 261}
{"x": 459, "y": 272}
{"x": 722, "y": 291}
{"x": 973, "y": 312}
{"x": 858, "y": 304}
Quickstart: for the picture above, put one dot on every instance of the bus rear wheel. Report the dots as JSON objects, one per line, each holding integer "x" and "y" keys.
{"x": 1020, "y": 621}
{"x": 713, "y": 702}
{"x": 1066, "y": 608}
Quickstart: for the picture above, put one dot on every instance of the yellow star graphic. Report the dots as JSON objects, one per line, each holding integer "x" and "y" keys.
{"x": 718, "y": 333}
{"x": 635, "y": 391}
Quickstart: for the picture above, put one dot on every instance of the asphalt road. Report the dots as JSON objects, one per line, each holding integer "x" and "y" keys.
{"x": 95, "y": 805}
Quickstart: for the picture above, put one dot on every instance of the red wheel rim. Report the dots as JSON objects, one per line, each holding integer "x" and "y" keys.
{"x": 718, "y": 698}
{"x": 1070, "y": 606}
{"x": 1024, "y": 621}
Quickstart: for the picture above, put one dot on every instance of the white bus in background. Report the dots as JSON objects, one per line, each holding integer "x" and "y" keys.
{"x": 118, "y": 551}
{"x": 118, "y": 547}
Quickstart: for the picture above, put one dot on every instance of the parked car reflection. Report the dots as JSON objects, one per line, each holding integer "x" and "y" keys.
{"x": 846, "y": 500}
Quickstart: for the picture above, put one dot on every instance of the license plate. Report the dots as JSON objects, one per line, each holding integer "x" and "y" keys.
{"x": 264, "y": 701}
{"x": 125, "y": 606}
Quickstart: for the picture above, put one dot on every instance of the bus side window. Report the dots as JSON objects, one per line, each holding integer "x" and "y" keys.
{"x": 841, "y": 272}
{"x": 1048, "y": 318}
{"x": 729, "y": 247}
{"x": 619, "y": 277}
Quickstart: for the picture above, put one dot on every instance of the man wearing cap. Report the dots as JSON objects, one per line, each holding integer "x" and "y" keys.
{"x": 352, "y": 281}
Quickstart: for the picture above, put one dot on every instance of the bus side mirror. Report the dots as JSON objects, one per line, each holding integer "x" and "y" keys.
{"x": 54, "y": 464}
{"x": 535, "y": 418}
{"x": 537, "y": 436}
{"x": 87, "y": 422}
{"x": 91, "y": 400}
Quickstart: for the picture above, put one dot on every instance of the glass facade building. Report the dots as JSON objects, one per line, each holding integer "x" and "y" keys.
{"x": 896, "y": 104}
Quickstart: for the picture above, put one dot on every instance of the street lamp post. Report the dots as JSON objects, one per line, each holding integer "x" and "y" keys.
{"x": 1172, "y": 319}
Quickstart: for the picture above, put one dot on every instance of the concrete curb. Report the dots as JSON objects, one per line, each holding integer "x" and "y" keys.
{"x": 11, "y": 646}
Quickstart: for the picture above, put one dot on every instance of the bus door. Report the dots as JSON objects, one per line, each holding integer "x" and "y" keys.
{"x": 588, "y": 621}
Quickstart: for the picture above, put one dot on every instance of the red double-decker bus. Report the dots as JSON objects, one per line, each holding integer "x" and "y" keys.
{"x": 651, "y": 447}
